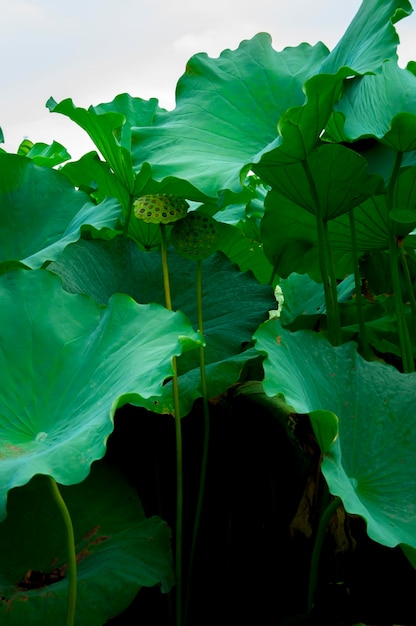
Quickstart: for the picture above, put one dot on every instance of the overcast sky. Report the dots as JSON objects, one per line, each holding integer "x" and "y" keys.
{"x": 92, "y": 50}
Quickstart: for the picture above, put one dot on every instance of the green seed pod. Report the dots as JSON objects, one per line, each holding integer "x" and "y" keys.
{"x": 160, "y": 208}
{"x": 195, "y": 236}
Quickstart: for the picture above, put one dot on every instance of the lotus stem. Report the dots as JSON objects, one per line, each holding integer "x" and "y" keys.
{"x": 394, "y": 253}
{"x": 317, "y": 549}
{"x": 178, "y": 436}
{"x": 358, "y": 296}
{"x": 204, "y": 461}
{"x": 71, "y": 552}
{"x": 326, "y": 264}
{"x": 404, "y": 337}
{"x": 412, "y": 299}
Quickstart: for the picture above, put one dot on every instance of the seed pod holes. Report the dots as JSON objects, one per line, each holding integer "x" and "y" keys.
{"x": 160, "y": 208}
{"x": 195, "y": 236}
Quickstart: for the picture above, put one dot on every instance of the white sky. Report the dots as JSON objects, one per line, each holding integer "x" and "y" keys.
{"x": 92, "y": 50}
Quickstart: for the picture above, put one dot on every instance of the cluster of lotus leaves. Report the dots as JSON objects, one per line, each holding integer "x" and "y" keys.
{"x": 79, "y": 338}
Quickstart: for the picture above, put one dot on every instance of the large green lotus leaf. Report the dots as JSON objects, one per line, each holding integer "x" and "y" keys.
{"x": 41, "y": 212}
{"x": 381, "y": 106}
{"x": 66, "y": 363}
{"x": 118, "y": 551}
{"x": 334, "y": 176}
{"x": 233, "y": 302}
{"x": 227, "y": 110}
{"x": 371, "y": 464}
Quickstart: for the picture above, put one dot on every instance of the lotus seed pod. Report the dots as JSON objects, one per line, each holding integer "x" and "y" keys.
{"x": 195, "y": 236}
{"x": 160, "y": 208}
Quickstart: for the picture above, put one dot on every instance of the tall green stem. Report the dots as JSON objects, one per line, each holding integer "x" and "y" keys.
{"x": 204, "y": 462}
{"x": 358, "y": 296}
{"x": 394, "y": 253}
{"x": 410, "y": 290}
{"x": 71, "y": 552}
{"x": 178, "y": 436}
{"x": 326, "y": 264}
{"x": 393, "y": 180}
{"x": 404, "y": 337}
{"x": 317, "y": 549}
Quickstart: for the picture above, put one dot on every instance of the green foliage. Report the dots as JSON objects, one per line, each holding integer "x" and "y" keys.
{"x": 110, "y": 527}
{"x": 368, "y": 455}
{"x": 299, "y": 170}
{"x": 66, "y": 364}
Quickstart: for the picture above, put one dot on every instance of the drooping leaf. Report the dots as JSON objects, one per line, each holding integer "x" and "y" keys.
{"x": 44, "y": 154}
{"x": 370, "y": 38}
{"x": 66, "y": 363}
{"x": 109, "y": 126}
{"x": 381, "y": 106}
{"x": 41, "y": 212}
{"x": 118, "y": 551}
{"x": 371, "y": 463}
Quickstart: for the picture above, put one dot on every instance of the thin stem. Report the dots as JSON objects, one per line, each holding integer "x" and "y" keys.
{"x": 358, "y": 296}
{"x": 165, "y": 267}
{"x": 335, "y": 312}
{"x": 412, "y": 299}
{"x": 394, "y": 253}
{"x": 178, "y": 436}
{"x": 325, "y": 264}
{"x": 404, "y": 337}
{"x": 317, "y": 549}
{"x": 204, "y": 461}
{"x": 393, "y": 180}
{"x": 179, "y": 495}
{"x": 71, "y": 552}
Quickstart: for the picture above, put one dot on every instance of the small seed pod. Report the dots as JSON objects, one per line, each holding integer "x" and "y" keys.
{"x": 160, "y": 208}
{"x": 195, "y": 236}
